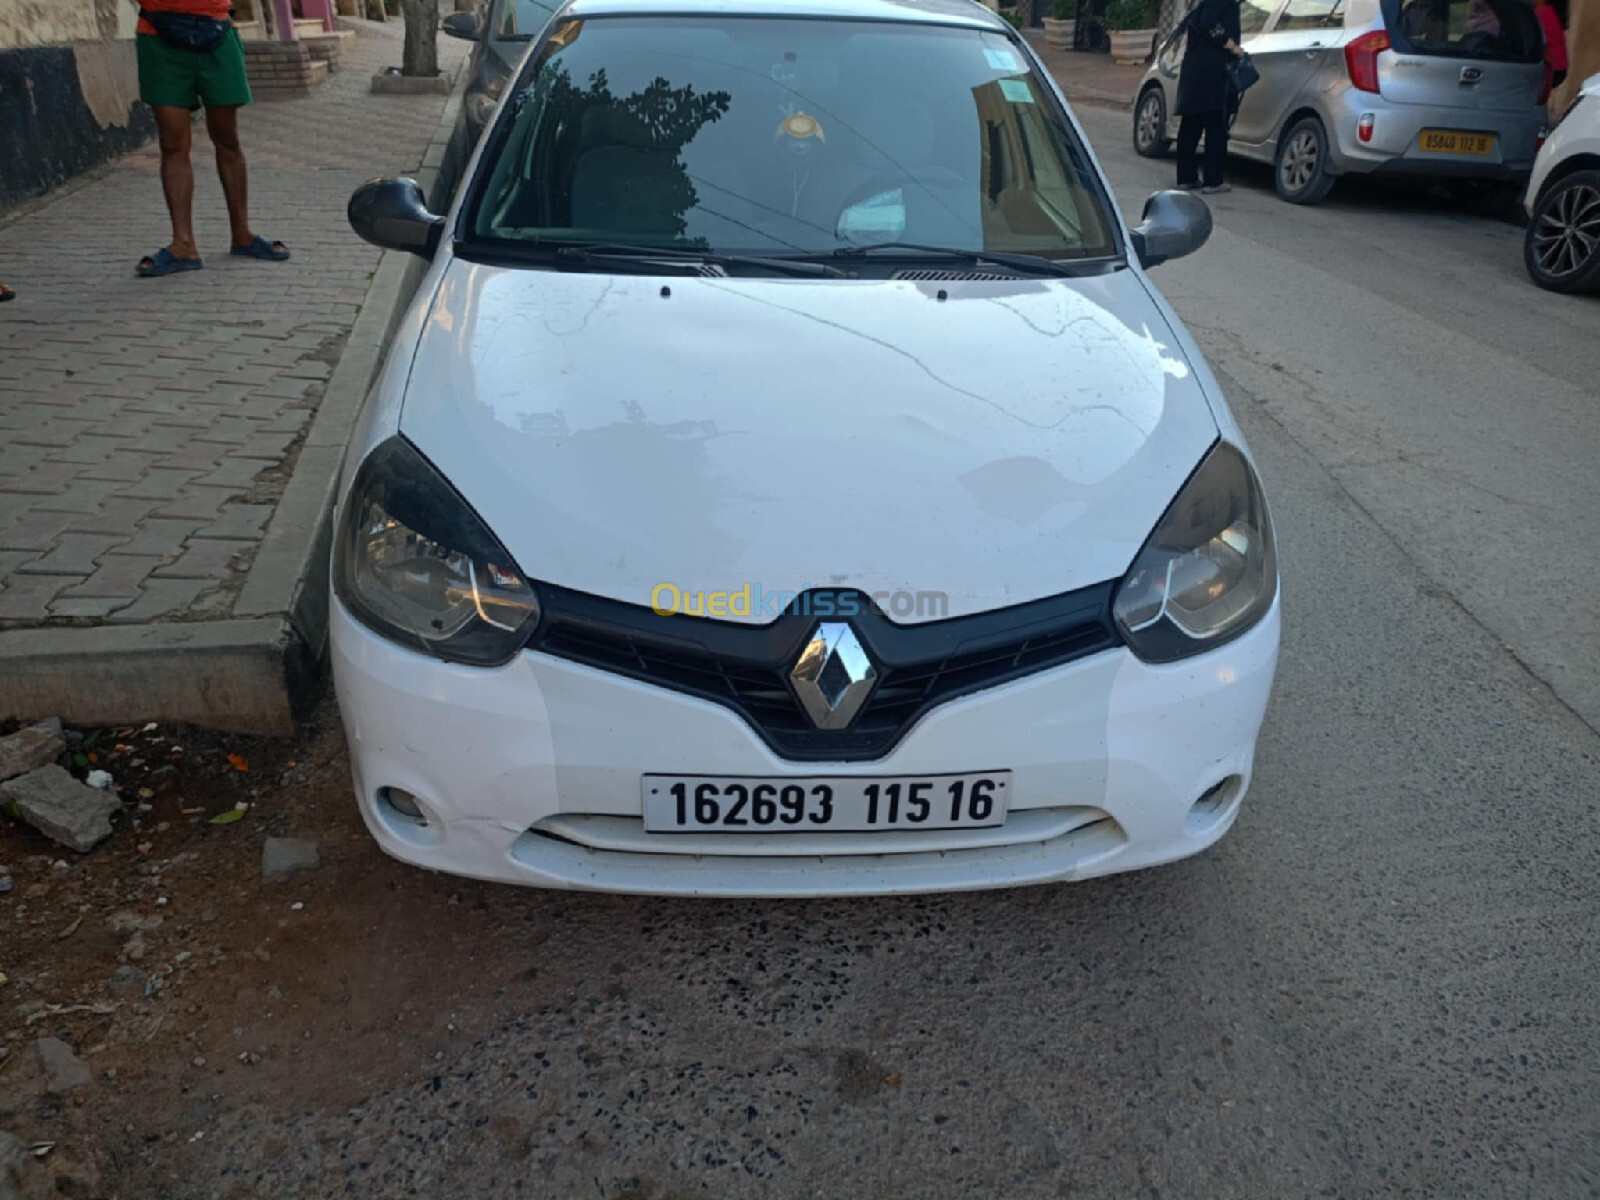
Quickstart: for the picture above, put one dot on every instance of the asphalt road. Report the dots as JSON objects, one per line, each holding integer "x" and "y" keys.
{"x": 1382, "y": 983}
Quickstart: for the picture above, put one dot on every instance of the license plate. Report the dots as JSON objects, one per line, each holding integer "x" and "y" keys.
{"x": 722, "y": 804}
{"x": 1452, "y": 141}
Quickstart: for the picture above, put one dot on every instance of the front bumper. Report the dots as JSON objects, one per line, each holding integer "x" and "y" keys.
{"x": 1395, "y": 148}
{"x": 530, "y": 773}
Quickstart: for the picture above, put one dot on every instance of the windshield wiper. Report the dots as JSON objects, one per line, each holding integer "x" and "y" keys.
{"x": 625, "y": 252}
{"x": 1032, "y": 264}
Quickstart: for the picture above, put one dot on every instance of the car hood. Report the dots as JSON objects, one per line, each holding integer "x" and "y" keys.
{"x": 997, "y": 442}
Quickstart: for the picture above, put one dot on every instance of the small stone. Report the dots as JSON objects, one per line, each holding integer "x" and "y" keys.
{"x": 285, "y": 856}
{"x": 31, "y": 748}
{"x": 63, "y": 1070}
{"x": 125, "y": 920}
{"x": 297, "y": 905}
{"x": 60, "y": 807}
{"x": 135, "y": 948}
{"x": 111, "y": 1072}
{"x": 161, "y": 901}
{"x": 6, "y": 884}
{"x": 199, "y": 1060}
{"x": 99, "y": 779}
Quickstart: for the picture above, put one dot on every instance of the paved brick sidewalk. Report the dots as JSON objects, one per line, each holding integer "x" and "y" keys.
{"x": 1090, "y": 78}
{"x": 147, "y": 426}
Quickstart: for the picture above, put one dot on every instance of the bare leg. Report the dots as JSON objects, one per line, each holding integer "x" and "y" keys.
{"x": 223, "y": 126}
{"x": 177, "y": 177}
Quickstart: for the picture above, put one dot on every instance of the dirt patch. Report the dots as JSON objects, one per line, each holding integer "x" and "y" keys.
{"x": 189, "y": 984}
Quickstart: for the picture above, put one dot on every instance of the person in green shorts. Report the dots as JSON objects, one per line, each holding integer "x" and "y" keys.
{"x": 174, "y": 81}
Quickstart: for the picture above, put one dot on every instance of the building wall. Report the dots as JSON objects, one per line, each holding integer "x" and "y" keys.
{"x": 68, "y": 91}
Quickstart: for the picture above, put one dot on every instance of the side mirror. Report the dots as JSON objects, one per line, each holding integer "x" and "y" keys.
{"x": 463, "y": 25}
{"x": 393, "y": 213}
{"x": 1174, "y": 224}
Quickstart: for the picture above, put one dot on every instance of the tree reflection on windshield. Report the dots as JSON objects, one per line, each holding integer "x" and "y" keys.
{"x": 618, "y": 159}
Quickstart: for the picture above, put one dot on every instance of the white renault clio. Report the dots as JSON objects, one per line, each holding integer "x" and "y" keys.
{"x": 788, "y": 482}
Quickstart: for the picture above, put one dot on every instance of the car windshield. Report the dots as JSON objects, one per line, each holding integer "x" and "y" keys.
{"x": 785, "y": 137}
{"x": 1503, "y": 30}
{"x": 523, "y": 18}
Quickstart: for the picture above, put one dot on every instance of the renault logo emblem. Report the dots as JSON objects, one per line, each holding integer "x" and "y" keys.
{"x": 833, "y": 676}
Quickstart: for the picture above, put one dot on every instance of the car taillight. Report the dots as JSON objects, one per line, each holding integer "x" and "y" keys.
{"x": 1361, "y": 59}
{"x": 1364, "y": 128}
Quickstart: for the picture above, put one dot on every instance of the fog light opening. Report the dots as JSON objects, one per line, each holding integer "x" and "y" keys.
{"x": 1215, "y": 804}
{"x": 403, "y": 805}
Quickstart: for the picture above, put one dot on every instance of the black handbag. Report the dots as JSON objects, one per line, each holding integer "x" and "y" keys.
{"x": 186, "y": 31}
{"x": 1242, "y": 75}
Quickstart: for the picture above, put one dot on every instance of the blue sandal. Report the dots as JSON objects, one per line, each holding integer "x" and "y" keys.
{"x": 163, "y": 262}
{"x": 263, "y": 249}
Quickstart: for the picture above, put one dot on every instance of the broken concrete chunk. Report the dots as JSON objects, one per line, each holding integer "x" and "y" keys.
{"x": 31, "y": 748}
{"x": 60, "y": 807}
{"x": 285, "y": 856}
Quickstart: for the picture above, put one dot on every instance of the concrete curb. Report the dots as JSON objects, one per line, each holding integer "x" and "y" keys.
{"x": 260, "y": 670}
{"x": 290, "y": 572}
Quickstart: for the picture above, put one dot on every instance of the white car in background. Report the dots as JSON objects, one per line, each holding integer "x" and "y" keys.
{"x": 1562, "y": 244}
{"x": 788, "y": 481}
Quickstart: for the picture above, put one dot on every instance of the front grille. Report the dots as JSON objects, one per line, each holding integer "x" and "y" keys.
{"x": 746, "y": 667}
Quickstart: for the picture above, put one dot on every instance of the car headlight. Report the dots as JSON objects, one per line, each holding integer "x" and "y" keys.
{"x": 413, "y": 562}
{"x": 1208, "y": 572}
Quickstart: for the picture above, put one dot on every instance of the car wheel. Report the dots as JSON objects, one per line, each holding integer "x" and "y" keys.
{"x": 1301, "y": 175}
{"x": 1562, "y": 245}
{"x": 1150, "y": 124}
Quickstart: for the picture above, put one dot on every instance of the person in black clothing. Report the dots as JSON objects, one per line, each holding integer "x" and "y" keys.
{"x": 1204, "y": 101}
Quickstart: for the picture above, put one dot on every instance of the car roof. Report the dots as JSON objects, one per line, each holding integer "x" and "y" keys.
{"x": 962, "y": 13}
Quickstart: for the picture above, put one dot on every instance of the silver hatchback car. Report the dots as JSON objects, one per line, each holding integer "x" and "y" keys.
{"x": 1424, "y": 88}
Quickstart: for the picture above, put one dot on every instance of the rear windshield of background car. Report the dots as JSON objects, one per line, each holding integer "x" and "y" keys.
{"x": 1495, "y": 30}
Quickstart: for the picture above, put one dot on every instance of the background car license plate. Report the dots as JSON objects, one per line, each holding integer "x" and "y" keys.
{"x": 722, "y": 804}
{"x": 1453, "y": 141}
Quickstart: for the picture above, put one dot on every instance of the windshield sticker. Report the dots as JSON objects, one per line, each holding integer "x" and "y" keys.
{"x": 1002, "y": 60}
{"x": 1017, "y": 91}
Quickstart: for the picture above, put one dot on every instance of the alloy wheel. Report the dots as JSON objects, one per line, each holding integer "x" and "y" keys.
{"x": 1300, "y": 160}
{"x": 1149, "y": 121}
{"x": 1568, "y": 232}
